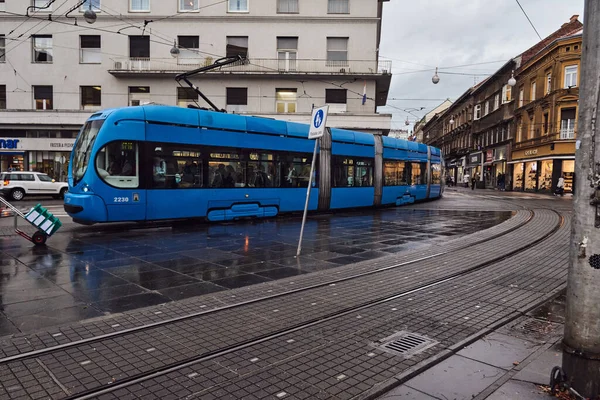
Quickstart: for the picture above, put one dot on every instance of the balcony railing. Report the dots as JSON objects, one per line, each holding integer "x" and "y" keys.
{"x": 255, "y": 65}
{"x": 567, "y": 135}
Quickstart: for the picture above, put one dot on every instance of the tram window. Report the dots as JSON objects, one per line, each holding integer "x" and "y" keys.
{"x": 350, "y": 172}
{"x": 436, "y": 174}
{"x": 225, "y": 169}
{"x": 118, "y": 164}
{"x": 417, "y": 175}
{"x": 295, "y": 170}
{"x": 176, "y": 166}
{"x": 395, "y": 173}
{"x": 262, "y": 171}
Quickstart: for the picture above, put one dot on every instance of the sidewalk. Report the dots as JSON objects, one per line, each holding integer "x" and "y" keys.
{"x": 512, "y": 363}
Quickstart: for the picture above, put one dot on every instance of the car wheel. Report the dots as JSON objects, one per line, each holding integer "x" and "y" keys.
{"x": 17, "y": 194}
{"x": 63, "y": 191}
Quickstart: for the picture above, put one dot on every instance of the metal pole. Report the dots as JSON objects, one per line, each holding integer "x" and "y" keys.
{"x": 581, "y": 343}
{"x": 312, "y": 168}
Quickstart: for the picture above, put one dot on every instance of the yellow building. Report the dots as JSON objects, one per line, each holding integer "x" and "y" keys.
{"x": 546, "y": 96}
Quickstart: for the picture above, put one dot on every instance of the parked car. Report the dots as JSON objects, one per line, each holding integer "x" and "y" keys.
{"x": 16, "y": 185}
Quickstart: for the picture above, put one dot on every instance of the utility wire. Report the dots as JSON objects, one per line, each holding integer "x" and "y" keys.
{"x": 527, "y": 16}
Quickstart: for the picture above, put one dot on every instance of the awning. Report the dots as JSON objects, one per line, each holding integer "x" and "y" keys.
{"x": 542, "y": 158}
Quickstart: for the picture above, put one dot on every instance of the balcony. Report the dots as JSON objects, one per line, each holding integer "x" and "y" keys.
{"x": 128, "y": 66}
{"x": 565, "y": 135}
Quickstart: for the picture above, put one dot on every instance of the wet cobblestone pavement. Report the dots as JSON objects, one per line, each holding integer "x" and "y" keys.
{"x": 89, "y": 272}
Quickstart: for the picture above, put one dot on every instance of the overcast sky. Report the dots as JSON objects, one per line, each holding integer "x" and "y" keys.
{"x": 421, "y": 34}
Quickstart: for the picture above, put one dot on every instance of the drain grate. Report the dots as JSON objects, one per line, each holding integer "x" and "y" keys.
{"x": 406, "y": 344}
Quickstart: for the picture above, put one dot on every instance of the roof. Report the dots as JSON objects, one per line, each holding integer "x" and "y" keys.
{"x": 567, "y": 29}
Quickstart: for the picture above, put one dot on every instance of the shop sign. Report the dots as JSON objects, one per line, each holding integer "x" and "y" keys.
{"x": 489, "y": 155}
{"x": 37, "y": 144}
{"x": 10, "y": 144}
{"x": 475, "y": 158}
{"x": 531, "y": 152}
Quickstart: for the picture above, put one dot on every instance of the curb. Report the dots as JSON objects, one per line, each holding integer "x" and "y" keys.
{"x": 397, "y": 380}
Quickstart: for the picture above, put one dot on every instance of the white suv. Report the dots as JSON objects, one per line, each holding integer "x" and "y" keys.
{"x": 16, "y": 185}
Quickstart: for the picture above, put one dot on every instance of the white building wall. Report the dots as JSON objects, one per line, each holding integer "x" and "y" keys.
{"x": 212, "y": 24}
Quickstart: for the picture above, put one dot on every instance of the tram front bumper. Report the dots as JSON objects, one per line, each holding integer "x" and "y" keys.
{"x": 85, "y": 208}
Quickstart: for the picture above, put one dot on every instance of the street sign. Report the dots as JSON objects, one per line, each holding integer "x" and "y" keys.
{"x": 318, "y": 122}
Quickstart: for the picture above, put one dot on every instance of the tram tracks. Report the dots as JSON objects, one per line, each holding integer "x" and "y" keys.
{"x": 122, "y": 332}
{"x": 273, "y": 332}
{"x": 190, "y": 361}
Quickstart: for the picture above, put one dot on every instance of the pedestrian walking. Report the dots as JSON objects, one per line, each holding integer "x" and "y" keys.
{"x": 466, "y": 180}
{"x": 473, "y": 182}
{"x": 560, "y": 186}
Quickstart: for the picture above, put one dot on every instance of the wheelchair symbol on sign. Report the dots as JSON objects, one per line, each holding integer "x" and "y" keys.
{"x": 318, "y": 118}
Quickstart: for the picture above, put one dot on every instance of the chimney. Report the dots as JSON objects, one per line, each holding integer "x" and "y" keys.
{"x": 574, "y": 18}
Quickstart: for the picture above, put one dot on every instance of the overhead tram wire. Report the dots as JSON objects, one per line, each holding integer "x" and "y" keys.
{"x": 531, "y": 23}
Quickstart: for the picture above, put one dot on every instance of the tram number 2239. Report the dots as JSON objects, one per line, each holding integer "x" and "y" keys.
{"x": 121, "y": 200}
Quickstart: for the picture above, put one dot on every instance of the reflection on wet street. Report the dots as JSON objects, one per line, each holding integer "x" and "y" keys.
{"x": 92, "y": 272}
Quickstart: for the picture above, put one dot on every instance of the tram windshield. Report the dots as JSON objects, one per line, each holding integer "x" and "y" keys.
{"x": 83, "y": 149}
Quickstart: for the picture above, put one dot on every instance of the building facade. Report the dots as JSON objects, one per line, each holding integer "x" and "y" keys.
{"x": 521, "y": 136}
{"x": 56, "y": 69}
{"x": 418, "y": 131}
{"x": 546, "y": 116}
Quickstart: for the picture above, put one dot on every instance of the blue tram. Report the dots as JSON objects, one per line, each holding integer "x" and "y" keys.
{"x": 159, "y": 162}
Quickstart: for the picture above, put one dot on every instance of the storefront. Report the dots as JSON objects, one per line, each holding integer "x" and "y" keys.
{"x": 494, "y": 167}
{"x": 475, "y": 167}
{"x": 50, "y": 156}
{"x": 538, "y": 169}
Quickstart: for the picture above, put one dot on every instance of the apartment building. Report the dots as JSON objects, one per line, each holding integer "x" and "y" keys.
{"x": 56, "y": 68}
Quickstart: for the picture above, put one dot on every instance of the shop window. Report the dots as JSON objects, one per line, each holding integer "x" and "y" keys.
{"x": 186, "y": 96}
{"x": 285, "y": 100}
{"x": 237, "y": 46}
{"x": 42, "y": 97}
{"x": 237, "y": 99}
{"x": 337, "y": 51}
{"x": 287, "y": 6}
{"x": 91, "y": 98}
{"x": 287, "y": 53}
{"x": 2, "y": 97}
{"x": 518, "y": 175}
{"x": 567, "y": 123}
{"x": 42, "y": 48}
{"x": 531, "y": 175}
{"x": 568, "y": 171}
{"x": 118, "y": 164}
{"x": 351, "y": 172}
{"x": 139, "y": 95}
{"x": 395, "y": 173}
{"x": 338, "y": 6}
{"x": 545, "y": 179}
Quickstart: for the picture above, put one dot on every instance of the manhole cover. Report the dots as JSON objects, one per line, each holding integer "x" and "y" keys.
{"x": 405, "y": 344}
{"x": 536, "y": 326}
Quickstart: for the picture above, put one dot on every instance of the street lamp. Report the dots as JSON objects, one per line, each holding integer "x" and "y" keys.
{"x": 174, "y": 50}
{"x": 512, "y": 81}
{"x": 435, "y": 79}
{"x": 89, "y": 15}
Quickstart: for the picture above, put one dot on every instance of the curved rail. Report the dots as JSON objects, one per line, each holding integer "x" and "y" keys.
{"x": 136, "y": 379}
